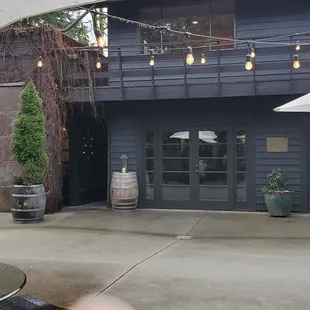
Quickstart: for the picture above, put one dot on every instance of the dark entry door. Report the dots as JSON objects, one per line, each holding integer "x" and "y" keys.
{"x": 212, "y": 169}
{"x": 218, "y": 168}
{"x": 197, "y": 168}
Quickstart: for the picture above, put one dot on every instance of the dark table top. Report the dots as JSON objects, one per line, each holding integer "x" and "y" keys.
{"x": 12, "y": 280}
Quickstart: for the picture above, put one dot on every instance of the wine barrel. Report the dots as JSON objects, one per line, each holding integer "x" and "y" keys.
{"x": 29, "y": 203}
{"x": 124, "y": 191}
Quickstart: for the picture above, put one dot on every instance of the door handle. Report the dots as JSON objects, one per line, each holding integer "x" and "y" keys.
{"x": 197, "y": 169}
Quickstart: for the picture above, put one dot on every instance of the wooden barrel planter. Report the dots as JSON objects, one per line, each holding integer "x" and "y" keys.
{"x": 29, "y": 203}
{"x": 124, "y": 191}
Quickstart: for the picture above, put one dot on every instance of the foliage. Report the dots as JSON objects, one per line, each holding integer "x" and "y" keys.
{"x": 29, "y": 136}
{"x": 60, "y": 19}
{"x": 276, "y": 182}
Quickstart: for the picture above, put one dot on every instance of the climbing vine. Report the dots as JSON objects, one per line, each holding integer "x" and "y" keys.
{"x": 20, "y": 49}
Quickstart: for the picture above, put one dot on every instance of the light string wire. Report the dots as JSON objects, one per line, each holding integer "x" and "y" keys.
{"x": 267, "y": 40}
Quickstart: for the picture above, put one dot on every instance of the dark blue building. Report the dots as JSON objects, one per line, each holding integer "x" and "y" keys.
{"x": 204, "y": 136}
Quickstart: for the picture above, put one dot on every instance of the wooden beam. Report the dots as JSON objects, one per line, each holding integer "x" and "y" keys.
{"x": 120, "y": 66}
{"x": 219, "y": 68}
{"x": 185, "y": 77}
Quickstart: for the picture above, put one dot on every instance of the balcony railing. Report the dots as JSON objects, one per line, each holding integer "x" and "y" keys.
{"x": 130, "y": 77}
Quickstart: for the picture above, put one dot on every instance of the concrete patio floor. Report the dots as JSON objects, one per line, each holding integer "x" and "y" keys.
{"x": 233, "y": 261}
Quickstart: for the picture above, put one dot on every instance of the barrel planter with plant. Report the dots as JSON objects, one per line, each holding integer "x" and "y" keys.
{"x": 278, "y": 199}
{"x": 28, "y": 145}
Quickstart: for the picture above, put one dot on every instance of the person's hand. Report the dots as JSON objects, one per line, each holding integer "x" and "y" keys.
{"x": 102, "y": 302}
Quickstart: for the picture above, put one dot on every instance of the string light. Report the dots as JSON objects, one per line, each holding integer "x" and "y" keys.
{"x": 144, "y": 25}
{"x": 189, "y": 56}
{"x": 296, "y": 62}
{"x": 203, "y": 59}
{"x": 100, "y": 39}
{"x": 98, "y": 63}
{"x": 40, "y": 62}
{"x": 248, "y": 62}
{"x": 152, "y": 60}
{"x": 195, "y": 22}
{"x": 252, "y": 52}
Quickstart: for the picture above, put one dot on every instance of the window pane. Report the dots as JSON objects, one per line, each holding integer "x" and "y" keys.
{"x": 241, "y": 165}
{"x": 213, "y": 193}
{"x": 175, "y": 178}
{"x": 212, "y": 137}
{"x": 212, "y": 150}
{"x": 240, "y": 150}
{"x": 175, "y": 192}
{"x": 149, "y": 189}
{"x": 181, "y": 150}
{"x": 241, "y": 179}
{"x": 149, "y": 178}
{"x": 149, "y": 150}
{"x": 241, "y": 194}
{"x": 178, "y": 137}
{"x": 222, "y": 21}
{"x": 190, "y": 10}
{"x": 150, "y": 164}
{"x": 200, "y": 19}
{"x": 240, "y": 137}
{"x": 175, "y": 165}
{"x": 149, "y": 138}
{"x": 212, "y": 165}
{"x": 212, "y": 178}
{"x": 150, "y": 13}
{"x": 149, "y": 192}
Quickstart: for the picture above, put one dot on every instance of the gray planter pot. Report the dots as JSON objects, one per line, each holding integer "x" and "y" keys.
{"x": 29, "y": 203}
{"x": 279, "y": 204}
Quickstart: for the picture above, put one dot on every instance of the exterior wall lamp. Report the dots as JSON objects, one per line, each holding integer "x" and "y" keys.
{"x": 124, "y": 163}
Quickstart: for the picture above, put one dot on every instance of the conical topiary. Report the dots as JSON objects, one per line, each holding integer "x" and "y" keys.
{"x": 29, "y": 136}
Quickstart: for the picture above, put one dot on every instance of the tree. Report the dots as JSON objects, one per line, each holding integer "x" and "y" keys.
{"x": 61, "y": 19}
{"x": 29, "y": 137}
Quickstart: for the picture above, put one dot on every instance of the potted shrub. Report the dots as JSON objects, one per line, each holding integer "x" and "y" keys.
{"x": 278, "y": 199}
{"x": 28, "y": 145}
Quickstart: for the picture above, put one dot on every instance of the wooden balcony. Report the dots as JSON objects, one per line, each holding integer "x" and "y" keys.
{"x": 130, "y": 77}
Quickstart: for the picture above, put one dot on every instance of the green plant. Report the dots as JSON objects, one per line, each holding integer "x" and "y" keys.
{"x": 276, "y": 182}
{"x": 29, "y": 136}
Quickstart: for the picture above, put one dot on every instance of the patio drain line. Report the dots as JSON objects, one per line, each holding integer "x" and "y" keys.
{"x": 136, "y": 265}
{"x": 149, "y": 257}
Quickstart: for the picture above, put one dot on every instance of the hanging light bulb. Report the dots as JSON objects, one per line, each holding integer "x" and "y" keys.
{"x": 98, "y": 63}
{"x": 297, "y": 46}
{"x": 248, "y": 62}
{"x": 40, "y": 62}
{"x": 203, "y": 59}
{"x": 252, "y": 52}
{"x": 189, "y": 56}
{"x": 152, "y": 59}
{"x": 296, "y": 62}
{"x": 100, "y": 39}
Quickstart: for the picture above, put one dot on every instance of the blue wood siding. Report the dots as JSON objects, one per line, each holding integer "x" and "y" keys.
{"x": 124, "y": 138}
{"x": 261, "y": 19}
{"x": 255, "y": 114}
{"x": 121, "y": 33}
{"x": 290, "y": 162}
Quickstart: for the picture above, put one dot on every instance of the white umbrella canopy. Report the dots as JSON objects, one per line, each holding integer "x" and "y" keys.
{"x": 14, "y": 10}
{"x": 301, "y": 104}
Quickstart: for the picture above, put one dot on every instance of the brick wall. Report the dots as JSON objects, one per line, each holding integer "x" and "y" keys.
{"x": 9, "y": 107}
